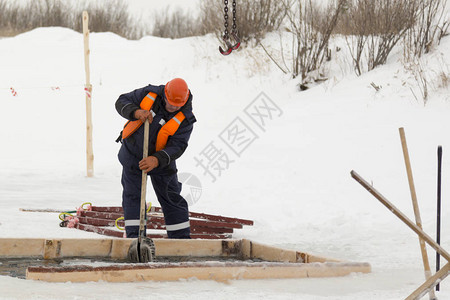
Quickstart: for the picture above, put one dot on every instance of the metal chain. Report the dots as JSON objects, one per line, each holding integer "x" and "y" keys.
{"x": 226, "y": 19}
{"x": 230, "y": 45}
{"x": 234, "y": 17}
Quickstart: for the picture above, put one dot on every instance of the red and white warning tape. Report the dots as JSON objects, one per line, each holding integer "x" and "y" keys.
{"x": 88, "y": 92}
{"x": 13, "y": 91}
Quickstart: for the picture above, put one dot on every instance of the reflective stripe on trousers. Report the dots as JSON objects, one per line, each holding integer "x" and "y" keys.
{"x": 167, "y": 190}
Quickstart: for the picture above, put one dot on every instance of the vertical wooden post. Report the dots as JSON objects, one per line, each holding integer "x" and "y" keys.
{"x": 423, "y": 249}
{"x": 88, "y": 90}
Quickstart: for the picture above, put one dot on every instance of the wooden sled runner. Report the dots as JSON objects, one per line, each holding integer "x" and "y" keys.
{"x": 222, "y": 260}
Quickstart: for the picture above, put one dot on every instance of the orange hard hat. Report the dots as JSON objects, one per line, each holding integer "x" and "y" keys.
{"x": 177, "y": 92}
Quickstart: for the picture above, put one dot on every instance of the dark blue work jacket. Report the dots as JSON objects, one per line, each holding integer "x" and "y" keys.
{"x": 131, "y": 151}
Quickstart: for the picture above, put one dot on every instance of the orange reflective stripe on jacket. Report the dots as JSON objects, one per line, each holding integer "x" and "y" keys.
{"x": 168, "y": 129}
{"x": 131, "y": 126}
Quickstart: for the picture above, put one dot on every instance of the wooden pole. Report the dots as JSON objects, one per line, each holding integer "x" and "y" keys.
{"x": 401, "y": 216}
{"x": 423, "y": 249}
{"x": 439, "y": 276}
{"x": 88, "y": 90}
{"x": 430, "y": 283}
{"x": 142, "y": 215}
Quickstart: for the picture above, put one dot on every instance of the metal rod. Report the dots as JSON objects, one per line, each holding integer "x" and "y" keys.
{"x": 438, "y": 217}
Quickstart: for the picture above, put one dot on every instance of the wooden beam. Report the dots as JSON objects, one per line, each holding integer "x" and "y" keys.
{"x": 202, "y": 271}
{"x": 115, "y": 248}
{"x": 10, "y": 247}
{"x": 168, "y": 247}
{"x": 253, "y": 250}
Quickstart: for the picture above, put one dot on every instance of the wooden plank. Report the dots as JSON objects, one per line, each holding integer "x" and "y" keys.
{"x": 46, "y": 210}
{"x": 52, "y": 249}
{"x": 10, "y": 247}
{"x": 101, "y": 215}
{"x": 151, "y": 225}
{"x": 167, "y": 247}
{"x": 232, "y": 248}
{"x": 86, "y": 247}
{"x": 202, "y": 271}
{"x": 209, "y": 230}
{"x": 270, "y": 253}
{"x": 159, "y": 220}
{"x": 115, "y": 209}
{"x": 311, "y": 258}
{"x": 99, "y": 222}
{"x": 252, "y": 250}
{"x": 118, "y": 209}
{"x": 118, "y": 249}
{"x": 99, "y": 230}
{"x": 115, "y": 233}
{"x": 246, "y": 249}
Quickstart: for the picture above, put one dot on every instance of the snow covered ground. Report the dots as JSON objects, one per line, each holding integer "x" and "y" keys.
{"x": 291, "y": 175}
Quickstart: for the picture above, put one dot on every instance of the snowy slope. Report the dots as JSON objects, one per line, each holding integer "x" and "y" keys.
{"x": 293, "y": 179}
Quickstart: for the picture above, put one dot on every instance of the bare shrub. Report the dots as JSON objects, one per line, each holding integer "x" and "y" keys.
{"x": 428, "y": 28}
{"x": 443, "y": 80}
{"x": 310, "y": 27}
{"x": 254, "y": 18}
{"x": 109, "y": 15}
{"x": 47, "y": 13}
{"x": 427, "y": 80}
{"x": 421, "y": 79}
{"x": 19, "y": 18}
{"x": 378, "y": 26}
{"x": 4, "y": 26}
{"x": 176, "y": 25}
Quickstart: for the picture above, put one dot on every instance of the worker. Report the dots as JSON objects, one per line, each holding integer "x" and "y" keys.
{"x": 168, "y": 108}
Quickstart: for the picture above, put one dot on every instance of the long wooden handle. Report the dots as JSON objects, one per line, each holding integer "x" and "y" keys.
{"x": 423, "y": 249}
{"x": 428, "y": 285}
{"x": 400, "y": 215}
{"x": 144, "y": 181}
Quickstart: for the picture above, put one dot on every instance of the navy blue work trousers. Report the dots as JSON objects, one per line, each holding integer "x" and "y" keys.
{"x": 167, "y": 190}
